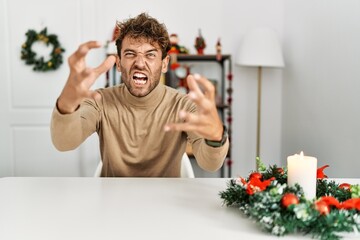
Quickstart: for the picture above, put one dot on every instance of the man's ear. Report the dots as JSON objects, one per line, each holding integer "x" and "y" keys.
{"x": 165, "y": 63}
{"x": 118, "y": 65}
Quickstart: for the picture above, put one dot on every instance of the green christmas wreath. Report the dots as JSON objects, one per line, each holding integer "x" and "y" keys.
{"x": 30, "y": 57}
{"x": 281, "y": 209}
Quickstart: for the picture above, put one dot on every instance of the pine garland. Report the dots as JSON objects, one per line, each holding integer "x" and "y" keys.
{"x": 261, "y": 197}
{"x": 30, "y": 57}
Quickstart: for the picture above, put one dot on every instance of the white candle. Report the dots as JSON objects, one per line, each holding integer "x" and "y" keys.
{"x": 302, "y": 170}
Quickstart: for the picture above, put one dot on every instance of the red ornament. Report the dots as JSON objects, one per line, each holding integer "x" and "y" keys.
{"x": 322, "y": 207}
{"x": 330, "y": 201}
{"x": 345, "y": 186}
{"x": 289, "y": 199}
{"x": 280, "y": 170}
{"x": 230, "y": 76}
{"x": 229, "y": 162}
{"x": 352, "y": 203}
{"x": 320, "y": 174}
{"x": 255, "y": 175}
{"x": 174, "y": 66}
{"x": 256, "y": 185}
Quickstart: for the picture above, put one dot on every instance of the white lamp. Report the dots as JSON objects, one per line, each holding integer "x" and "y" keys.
{"x": 260, "y": 48}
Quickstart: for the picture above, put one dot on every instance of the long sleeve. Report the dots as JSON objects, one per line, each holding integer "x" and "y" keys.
{"x": 209, "y": 158}
{"x": 131, "y": 133}
{"x": 68, "y": 131}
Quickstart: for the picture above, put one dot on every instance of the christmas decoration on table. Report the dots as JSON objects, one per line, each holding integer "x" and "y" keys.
{"x": 280, "y": 209}
{"x": 40, "y": 64}
{"x": 200, "y": 44}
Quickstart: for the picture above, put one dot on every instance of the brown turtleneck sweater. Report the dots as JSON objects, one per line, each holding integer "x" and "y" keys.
{"x": 130, "y": 129}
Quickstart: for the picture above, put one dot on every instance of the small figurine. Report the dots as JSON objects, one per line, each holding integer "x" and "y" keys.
{"x": 218, "y": 50}
{"x": 175, "y": 47}
{"x": 200, "y": 44}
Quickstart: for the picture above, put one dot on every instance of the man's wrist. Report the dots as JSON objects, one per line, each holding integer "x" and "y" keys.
{"x": 220, "y": 143}
{"x": 64, "y": 110}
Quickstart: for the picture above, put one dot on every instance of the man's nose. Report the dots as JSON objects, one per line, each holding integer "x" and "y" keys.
{"x": 140, "y": 61}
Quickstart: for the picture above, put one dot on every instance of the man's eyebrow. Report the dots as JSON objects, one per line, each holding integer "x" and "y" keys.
{"x": 150, "y": 50}
{"x": 129, "y": 50}
{"x": 153, "y": 50}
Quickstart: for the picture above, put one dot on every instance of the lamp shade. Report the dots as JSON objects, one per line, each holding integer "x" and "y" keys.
{"x": 260, "y": 47}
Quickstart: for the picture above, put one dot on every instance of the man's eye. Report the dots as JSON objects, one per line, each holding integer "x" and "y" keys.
{"x": 151, "y": 55}
{"x": 129, "y": 54}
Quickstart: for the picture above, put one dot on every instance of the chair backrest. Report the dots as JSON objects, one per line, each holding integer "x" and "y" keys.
{"x": 186, "y": 167}
{"x": 185, "y": 172}
{"x": 98, "y": 169}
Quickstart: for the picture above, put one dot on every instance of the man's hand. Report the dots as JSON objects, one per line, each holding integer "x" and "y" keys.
{"x": 81, "y": 78}
{"x": 206, "y": 122}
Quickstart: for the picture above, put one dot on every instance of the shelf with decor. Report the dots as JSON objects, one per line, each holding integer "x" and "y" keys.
{"x": 224, "y": 100}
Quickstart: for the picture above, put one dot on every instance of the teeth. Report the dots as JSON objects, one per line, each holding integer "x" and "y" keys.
{"x": 139, "y": 78}
{"x": 137, "y": 81}
{"x": 139, "y": 75}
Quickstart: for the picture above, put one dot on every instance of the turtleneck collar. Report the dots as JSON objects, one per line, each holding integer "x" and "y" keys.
{"x": 152, "y": 99}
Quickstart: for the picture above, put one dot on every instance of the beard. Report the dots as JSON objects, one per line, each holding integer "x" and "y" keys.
{"x": 141, "y": 91}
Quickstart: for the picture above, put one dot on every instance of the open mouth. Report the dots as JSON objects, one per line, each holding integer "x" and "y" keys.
{"x": 140, "y": 78}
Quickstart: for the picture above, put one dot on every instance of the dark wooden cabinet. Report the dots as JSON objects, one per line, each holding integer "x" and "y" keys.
{"x": 224, "y": 89}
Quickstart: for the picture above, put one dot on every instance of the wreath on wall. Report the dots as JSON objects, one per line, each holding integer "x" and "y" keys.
{"x": 40, "y": 64}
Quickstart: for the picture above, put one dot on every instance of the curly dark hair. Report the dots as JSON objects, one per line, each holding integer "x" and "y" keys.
{"x": 144, "y": 26}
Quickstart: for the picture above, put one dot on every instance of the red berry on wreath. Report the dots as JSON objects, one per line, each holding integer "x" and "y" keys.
{"x": 280, "y": 170}
{"x": 289, "y": 199}
{"x": 322, "y": 207}
{"x": 345, "y": 186}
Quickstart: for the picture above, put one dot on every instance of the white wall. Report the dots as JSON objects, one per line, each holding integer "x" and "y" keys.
{"x": 240, "y": 17}
{"x": 321, "y": 113}
{"x": 78, "y": 21}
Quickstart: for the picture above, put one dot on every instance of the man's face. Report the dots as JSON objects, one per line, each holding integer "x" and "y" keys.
{"x": 141, "y": 65}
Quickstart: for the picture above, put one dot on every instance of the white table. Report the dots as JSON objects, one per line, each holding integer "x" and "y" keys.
{"x": 121, "y": 208}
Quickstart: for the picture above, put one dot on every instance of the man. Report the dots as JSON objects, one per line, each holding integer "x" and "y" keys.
{"x": 143, "y": 126}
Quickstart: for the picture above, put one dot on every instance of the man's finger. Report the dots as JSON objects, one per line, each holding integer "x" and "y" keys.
{"x": 85, "y": 48}
{"x": 207, "y": 86}
{"x": 193, "y": 85}
{"x": 186, "y": 127}
{"x": 189, "y": 117}
{"x": 106, "y": 65}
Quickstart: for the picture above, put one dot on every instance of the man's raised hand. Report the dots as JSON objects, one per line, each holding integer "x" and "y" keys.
{"x": 81, "y": 78}
{"x": 206, "y": 122}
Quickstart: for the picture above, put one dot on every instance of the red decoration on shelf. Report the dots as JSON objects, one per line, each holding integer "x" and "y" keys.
{"x": 229, "y": 119}
{"x": 229, "y": 100}
{"x": 218, "y": 50}
{"x": 200, "y": 44}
